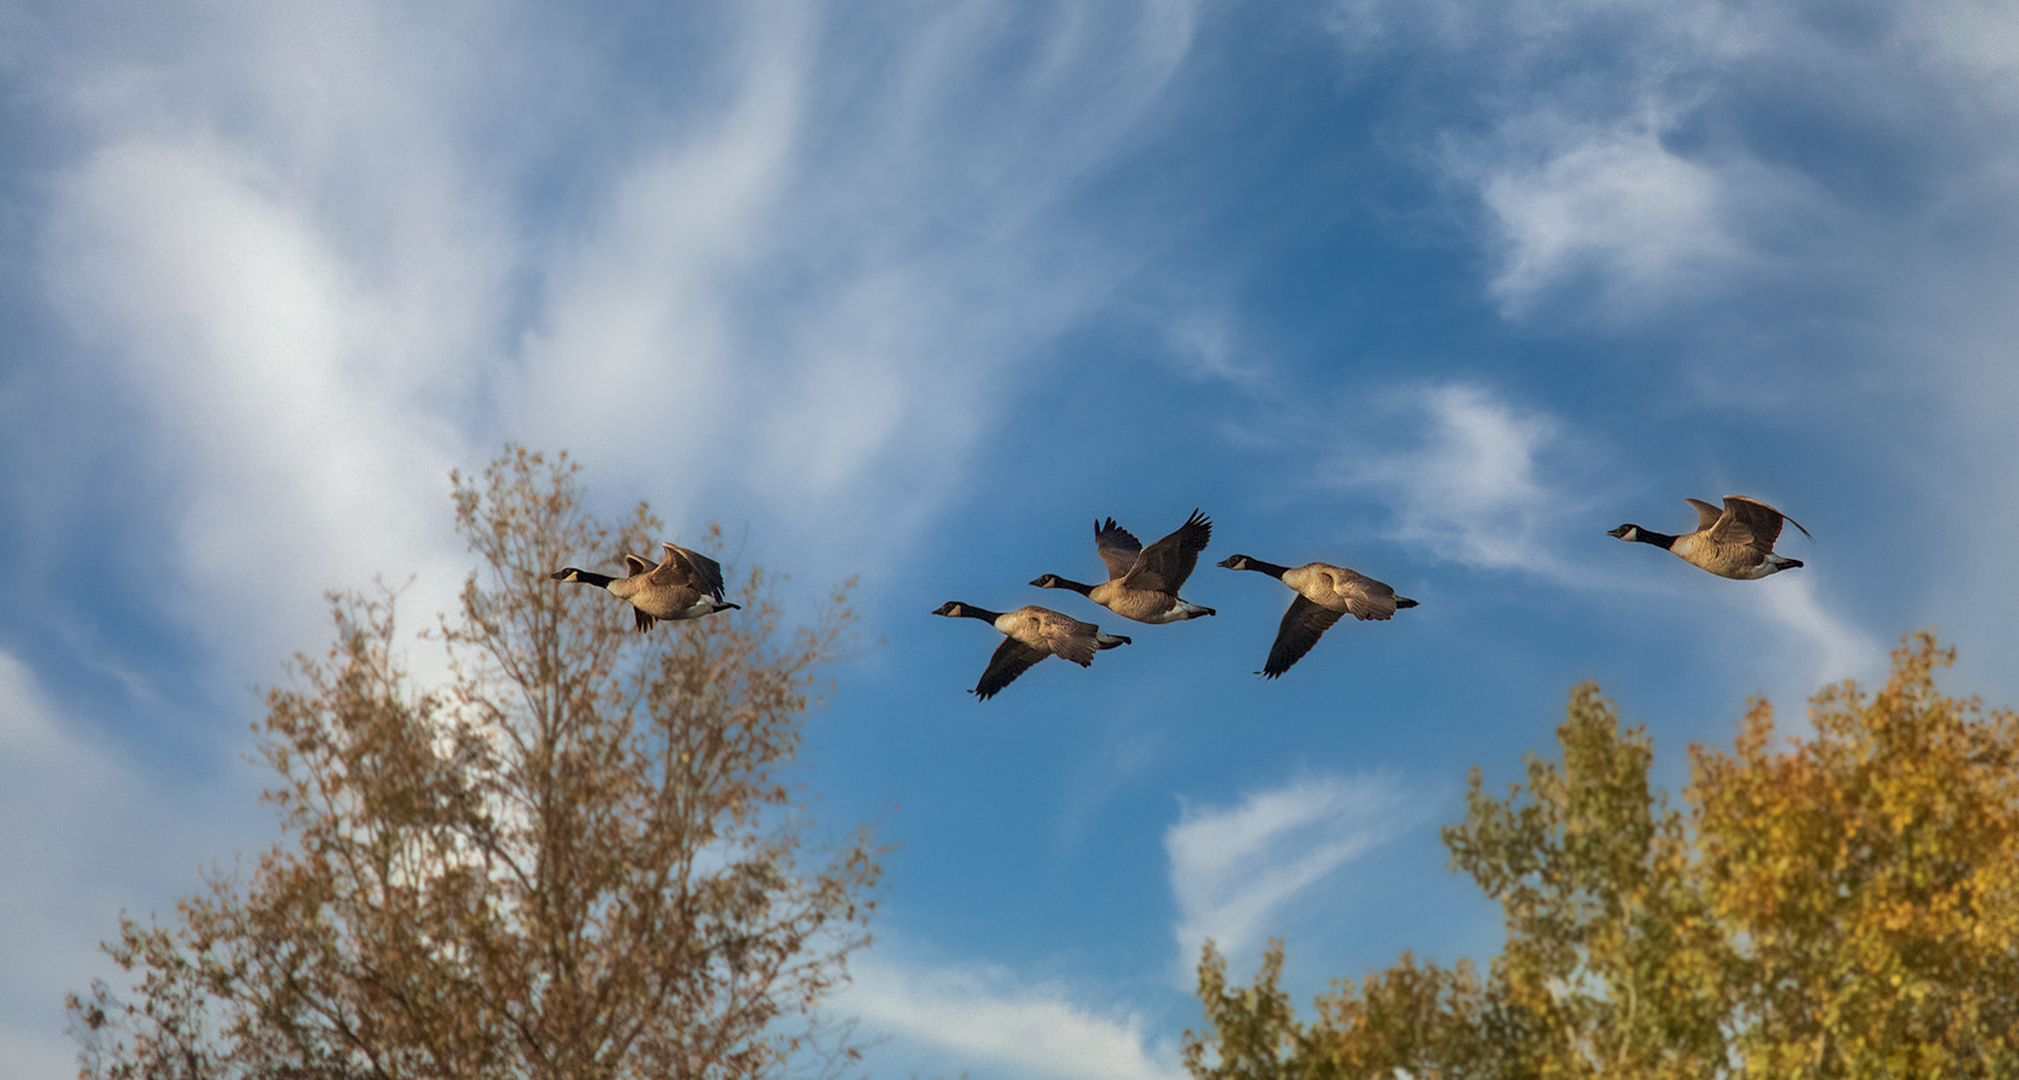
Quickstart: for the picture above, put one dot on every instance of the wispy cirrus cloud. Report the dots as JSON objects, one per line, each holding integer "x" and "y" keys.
{"x": 815, "y": 299}
{"x": 1465, "y": 484}
{"x": 1613, "y": 208}
{"x": 985, "y": 1019}
{"x": 798, "y": 281}
{"x": 1235, "y": 869}
{"x": 288, "y": 421}
{"x": 1487, "y": 484}
{"x": 1838, "y": 647}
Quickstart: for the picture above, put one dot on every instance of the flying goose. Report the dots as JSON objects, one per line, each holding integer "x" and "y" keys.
{"x": 1735, "y": 542}
{"x": 1143, "y": 582}
{"x": 685, "y": 585}
{"x": 1030, "y": 635}
{"x": 1324, "y": 594}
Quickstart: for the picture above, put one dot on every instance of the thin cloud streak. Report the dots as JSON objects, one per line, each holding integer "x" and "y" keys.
{"x": 986, "y": 1018}
{"x": 1840, "y": 649}
{"x": 1466, "y": 488}
{"x": 1475, "y": 487}
{"x": 799, "y": 294}
{"x": 1235, "y": 869}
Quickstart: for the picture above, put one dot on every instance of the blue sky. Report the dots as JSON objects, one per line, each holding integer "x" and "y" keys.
{"x": 1437, "y": 289}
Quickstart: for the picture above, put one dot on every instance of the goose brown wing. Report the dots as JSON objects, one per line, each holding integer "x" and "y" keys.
{"x": 1164, "y": 565}
{"x": 1748, "y": 521}
{"x": 1707, "y": 515}
{"x": 1365, "y": 597}
{"x": 1066, "y": 636}
{"x": 685, "y": 566}
{"x": 1303, "y": 625}
{"x": 1012, "y": 658}
{"x": 1118, "y": 547}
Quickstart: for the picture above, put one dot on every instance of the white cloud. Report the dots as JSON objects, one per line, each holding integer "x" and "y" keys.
{"x": 988, "y": 1023}
{"x": 314, "y": 249}
{"x": 638, "y": 342}
{"x": 298, "y": 449}
{"x": 1472, "y": 490}
{"x": 1468, "y": 489}
{"x": 816, "y": 299}
{"x": 1840, "y": 649}
{"x": 85, "y": 837}
{"x": 1841, "y": 192}
{"x": 1234, "y": 869}
{"x": 1611, "y": 207}
{"x": 47, "y": 784}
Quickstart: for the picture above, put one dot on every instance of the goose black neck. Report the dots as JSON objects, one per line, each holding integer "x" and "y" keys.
{"x": 1649, "y": 536}
{"x": 583, "y": 577}
{"x": 1268, "y": 568}
{"x": 1063, "y": 583}
{"x": 969, "y": 611}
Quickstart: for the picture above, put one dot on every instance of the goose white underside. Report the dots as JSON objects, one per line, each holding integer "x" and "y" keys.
{"x": 1178, "y": 613}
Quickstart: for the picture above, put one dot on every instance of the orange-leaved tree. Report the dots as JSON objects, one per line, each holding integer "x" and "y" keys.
{"x": 1869, "y": 878}
{"x": 581, "y": 857}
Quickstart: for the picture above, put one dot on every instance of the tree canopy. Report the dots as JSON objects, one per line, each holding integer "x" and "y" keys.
{"x": 1842, "y": 904}
{"x": 582, "y": 856}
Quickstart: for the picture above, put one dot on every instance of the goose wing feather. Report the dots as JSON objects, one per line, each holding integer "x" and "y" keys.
{"x": 1707, "y": 515}
{"x": 1164, "y": 565}
{"x": 1012, "y": 658}
{"x": 685, "y": 566}
{"x": 1303, "y": 625}
{"x": 1364, "y": 597}
{"x": 1118, "y": 547}
{"x": 1066, "y": 636}
{"x": 1751, "y": 522}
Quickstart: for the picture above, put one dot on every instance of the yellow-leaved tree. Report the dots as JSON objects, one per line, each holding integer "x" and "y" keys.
{"x": 580, "y": 858}
{"x": 1845, "y": 905}
{"x": 1870, "y": 876}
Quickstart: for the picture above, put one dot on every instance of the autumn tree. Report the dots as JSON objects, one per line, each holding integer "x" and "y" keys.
{"x": 582, "y": 856}
{"x": 1870, "y": 874}
{"x": 1843, "y": 906}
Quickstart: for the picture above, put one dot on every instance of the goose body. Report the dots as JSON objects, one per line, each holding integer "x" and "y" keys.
{"x": 1325, "y": 594}
{"x": 1029, "y": 635}
{"x": 1143, "y": 582}
{"x": 1733, "y": 541}
{"x": 685, "y": 584}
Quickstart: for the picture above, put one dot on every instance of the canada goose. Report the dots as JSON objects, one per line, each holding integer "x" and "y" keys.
{"x": 1735, "y": 542}
{"x": 1143, "y": 582}
{"x": 685, "y": 585}
{"x": 1030, "y": 635}
{"x": 1324, "y": 594}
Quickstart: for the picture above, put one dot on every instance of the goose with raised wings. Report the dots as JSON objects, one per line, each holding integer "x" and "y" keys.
{"x": 1143, "y": 582}
{"x": 684, "y": 585}
{"x": 1733, "y": 541}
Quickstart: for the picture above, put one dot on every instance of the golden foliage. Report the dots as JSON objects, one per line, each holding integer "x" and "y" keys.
{"x": 580, "y": 858}
{"x": 1846, "y": 906}
{"x": 1870, "y": 874}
